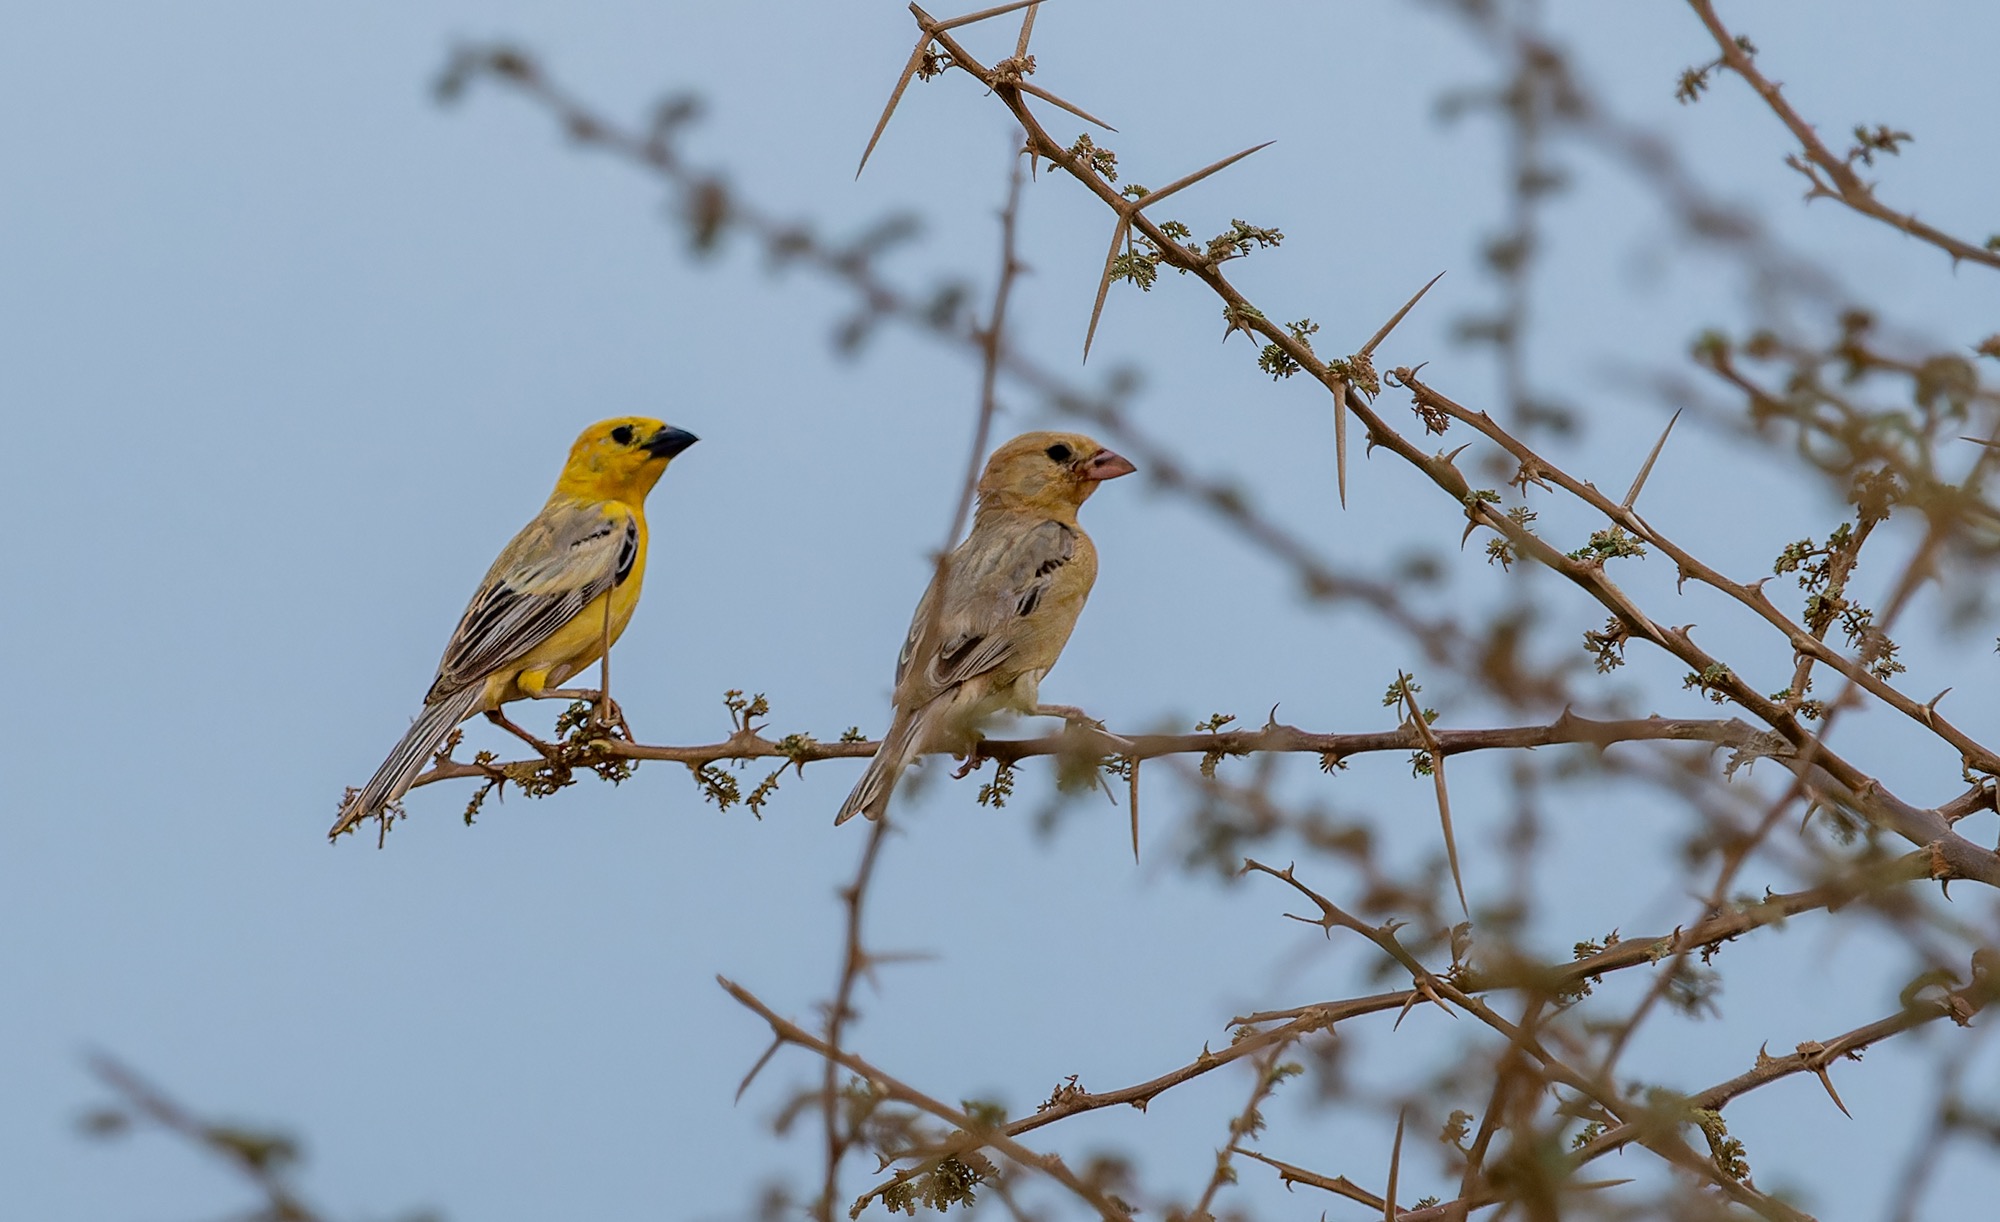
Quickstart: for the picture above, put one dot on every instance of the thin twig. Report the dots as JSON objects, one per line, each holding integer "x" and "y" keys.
{"x": 1831, "y": 177}
{"x": 1048, "y": 1164}
{"x": 853, "y": 963}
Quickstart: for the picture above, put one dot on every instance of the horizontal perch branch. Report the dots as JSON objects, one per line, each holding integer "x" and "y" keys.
{"x": 1953, "y": 856}
{"x": 748, "y": 744}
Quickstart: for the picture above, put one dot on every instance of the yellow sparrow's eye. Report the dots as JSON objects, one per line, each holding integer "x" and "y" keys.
{"x": 622, "y": 434}
{"x": 1059, "y": 452}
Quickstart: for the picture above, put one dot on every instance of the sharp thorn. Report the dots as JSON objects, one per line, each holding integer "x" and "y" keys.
{"x": 1027, "y": 27}
{"x": 1444, "y": 820}
{"x": 1368, "y": 349}
{"x": 1132, "y": 800}
{"x": 1118, "y": 233}
{"x": 1340, "y": 439}
{"x": 895, "y": 96}
{"x": 1389, "y": 1210}
{"x": 1826, "y": 1080}
{"x": 1430, "y": 742}
{"x": 983, "y": 14}
{"x": 758, "y": 1068}
{"x": 1639, "y": 481}
{"x": 1078, "y": 111}
{"x": 1154, "y": 197}
{"x": 1430, "y": 995}
{"x": 1930, "y": 709}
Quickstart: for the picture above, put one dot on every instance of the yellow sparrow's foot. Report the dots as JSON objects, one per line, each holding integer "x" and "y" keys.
{"x": 605, "y": 714}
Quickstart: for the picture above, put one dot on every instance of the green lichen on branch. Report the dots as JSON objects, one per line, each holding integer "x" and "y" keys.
{"x": 1609, "y": 544}
{"x": 1824, "y": 571}
{"x": 1457, "y": 1128}
{"x": 716, "y": 785}
{"x": 1275, "y": 361}
{"x": 949, "y": 1181}
{"x": 1239, "y": 240}
{"x": 1358, "y": 371}
{"x": 1242, "y": 318}
{"x": 1140, "y": 267}
{"x": 1692, "y": 990}
{"x": 1883, "y": 139}
{"x": 1140, "y": 261}
{"x": 756, "y": 799}
{"x": 1712, "y": 681}
{"x": 995, "y": 792}
{"x": 1731, "y": 1159}
{"x": 1606, "y": 646}
{"x": 1099, "y": 160}
{"x": 933, "y": 63}
{"x": 1501, "y": 549}
{"x": 742, "y": 711}
{"x": 1214, "y": 755}
{"x": 1810, "y": 710}
{"x": 579, "y": 746}
{"x": 1403, "y": 692}
{"x": 1695, "y": 81}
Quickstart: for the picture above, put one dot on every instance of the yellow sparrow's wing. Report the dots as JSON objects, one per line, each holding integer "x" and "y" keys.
{"x": 568, "y": 556}
{"x": 997, "y": 578}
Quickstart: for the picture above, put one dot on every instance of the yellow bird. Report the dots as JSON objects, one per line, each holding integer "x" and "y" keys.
{"x": 567, "y": 583}
{"x": 999, "y": 609}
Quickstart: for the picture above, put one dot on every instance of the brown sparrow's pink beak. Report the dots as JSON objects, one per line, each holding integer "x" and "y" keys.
{"x": 1108, "y": 464}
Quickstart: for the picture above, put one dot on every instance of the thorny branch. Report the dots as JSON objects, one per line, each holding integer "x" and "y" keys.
{"x": 1585, "y": 572}
{"x": 1259, "y": 1034}
{"x": 1830, "y": 176}
{"x": 264, "y": 1160}
{"x": 1821, "y": 776}
{"x": 712, "y": 209}
{"x": 1820, "y": 772}
{"x": 791, "y": 1033}
{"x": 1951, "y": 860}
{"x": 854, "y": 964}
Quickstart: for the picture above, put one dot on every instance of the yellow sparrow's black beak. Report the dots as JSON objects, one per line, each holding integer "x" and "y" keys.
{"x": 669, "y": 441}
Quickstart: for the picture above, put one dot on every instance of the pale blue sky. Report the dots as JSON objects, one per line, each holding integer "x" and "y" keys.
{"x": 287, "y": 352}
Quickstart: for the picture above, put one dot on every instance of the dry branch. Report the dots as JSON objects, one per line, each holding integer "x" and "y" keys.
{"x": 1831, "y": 177}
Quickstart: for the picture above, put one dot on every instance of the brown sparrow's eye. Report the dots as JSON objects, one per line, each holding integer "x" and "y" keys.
{"x": 1059, "y": 452}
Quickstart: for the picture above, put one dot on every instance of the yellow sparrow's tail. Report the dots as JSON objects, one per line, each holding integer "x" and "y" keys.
{"x": 392, "y": 780}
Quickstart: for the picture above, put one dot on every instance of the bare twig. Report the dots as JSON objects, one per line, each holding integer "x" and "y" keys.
{"x": 1831, "y": 177}
{"x": 262, "y": 1159}
{"x": 1048, "y": 1164}
{"x": 853, "y": 963}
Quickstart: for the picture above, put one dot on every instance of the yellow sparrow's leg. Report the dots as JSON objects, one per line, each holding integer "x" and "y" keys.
{"x": 603, "y": 709}
{"x": 500, "y": 719}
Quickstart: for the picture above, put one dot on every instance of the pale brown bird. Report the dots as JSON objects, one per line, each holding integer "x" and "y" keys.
{"x": 999, "y": 609}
